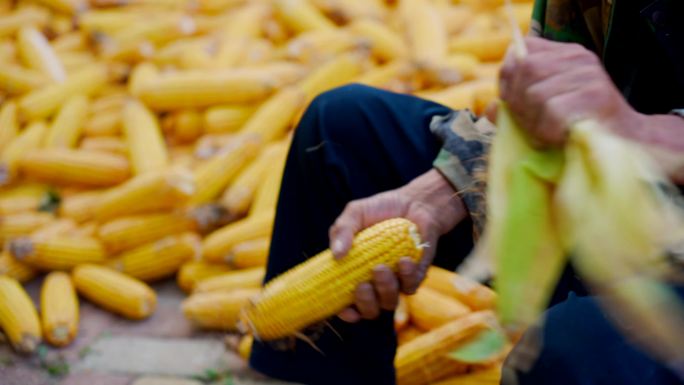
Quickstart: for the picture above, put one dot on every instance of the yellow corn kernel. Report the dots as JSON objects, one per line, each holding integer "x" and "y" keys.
{"x": 200, "y": 89}
{"x": 487, "y": 376}
{"x": 212, "y": 176}
{"x": 469, "y": 292}
{"x": 333, "y": 73}
{"x": 12, "y": 22}
{"x": 59, "y": 309}
{"x": 105, "y": 123}
{"x": 126, "y": 233}
{"x": 18, "y": 80}
{"x": 217, "y": 310}
{"x": 107, "y": 144}
{"x": 490, "y": 46}
{"x": 217, "y": 245}
{"x": 232, "y": 280}
{"x": 425, "y": 359}
{"x": 425, "y": 30}
{"x": 35, "y": 51}
{"x": 239, "y": 195}
{"x": 146, "y": 146}
{"x": 17, "y": 225}
{"x": 29, "y": 139}
{"x": 57, "y": 253}
{"x": 18, "y": 316}
{"x": 401, "y": 315}
{"x": 43, "y": 102}
{"x": 59, "y": 227}
{"x": 266, "y": 197}
{"x": 385, "y": 44}
{"x": 141, "y": 75}
{"x": 245, "y": 347}
{"x": 301, "y": 16}
{"x": 408, "y": 334}
{"x": 15, "y": 269}
{"x": 23, "y": 198}
{"x": 188, "y": 125}
{"x": 67, "y": 125}
{"x": 322, "y": 286}
{"x": 9, "y": 126}
{"x": 158, "y": 259}
{"x": 115, "y": 291}
{"x": 273, "y": 118}
{"x": 80, "y": 207}
{"x": 250, "y": 253}
{"x": 193, "y": 272}
{"x": 65, "y": 166}
{"x": 430, "y": 309}
{"x": 221, "y": 119}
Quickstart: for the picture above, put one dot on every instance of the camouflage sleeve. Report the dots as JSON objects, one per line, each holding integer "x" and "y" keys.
{"x": 463, "y": 159}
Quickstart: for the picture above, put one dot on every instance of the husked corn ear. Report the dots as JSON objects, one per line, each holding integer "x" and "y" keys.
{"x": 16, "y": 225}
{"x": 115, "y": 291}
{"x": 469, "y": 292}
{"x": 333, "y": 73}
{"x": 142, "y": 73}
{"x": 105, "y": 123}
{"x": 61, "y": 226}
{"x": 67, "y": 125}
{"x": 79, "y": 167}
{"x": 146, "y": 146}
{"x": 486, "y": 46}
{"x": 200, "y": 89}
{"x": 43, "y": 102}
{"x": 69, "y": 41}
{"x": 23, "y": 198}
{"x": 188, "y": 125}
{"x": 57, "y": 252}
{"x": 272, "y": 119}
{"x": 315, "y": 46}
{"x": 217, "y": 245}
{"x": 81, "y": 206}
{"x": 28, "y": 15}
{"x": 425, "y": 30}
{"x": 322, "y": 286}
{"x": 222, "y": 119}
{"x": 128, "y": 232}
{"x": 401, "y": 315}
{"x": 18, "y": 80}
{"x": 232, "y": 280}
{"x": 487, "y": 376}
{"x": 108, "y": 144}
{"x": 459, "y": 97}
{"x": 9, "y": 126}
{"x": 385, "y": 44}
{"x": 301, "y": 16}
{"x": 30, "y": 139}
{"x": 449, "y": 71}
{"x": 66, "y": 6}
{"x": 158, "y": 259}
{"x": 59, "y": 309}
{"x": 245, "y": 346}
{"x": 145, "y": 193}
{"x": 217, "y": 310}
{"x": 15, "y": 269}
{"x": 430, "y": 309}
{"x": 193, "y": 272}
{"x": 252, "y": 253}
{"x": 212, "y": 176}
{"x": 425, "y": 358}
{"x": 18, "y": 317}
{"x": 266, "y": 197}
{"x": 37, "y": 53}
{"x": 396, "y": 76}
{"x": 407, "y": 334}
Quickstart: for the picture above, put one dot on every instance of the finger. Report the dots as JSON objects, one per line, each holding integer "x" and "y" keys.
{"x": 366, "y": 301}
{"x": 386, "y": 287}
{"x": 407, "y": 275}
{"x": 342, "y": 231}
{"x": 536, "y": 44}
{"x": 349, "y": 315}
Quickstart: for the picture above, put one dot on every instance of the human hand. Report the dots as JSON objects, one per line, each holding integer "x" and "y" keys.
{"x": 558, "y": 84}
{"x": 431, "y": 203}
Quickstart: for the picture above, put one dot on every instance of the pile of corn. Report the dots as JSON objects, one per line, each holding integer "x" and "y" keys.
{"x": 144, "y": 139}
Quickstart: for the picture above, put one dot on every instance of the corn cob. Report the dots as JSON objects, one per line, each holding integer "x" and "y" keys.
{"x": 17, "y": 225}
{"x": 195, "y": 271}
{"x": 323, "y": 277}
{"x": 430, "y": 309}
{"x": 80, "y": 207}
{"x": 488, "y": 376}
{"x": 245, "y": 347}
{"x": 212, "y": 176}
{"x": 65, "y": 129}
{"x": 30, "y": 139}
{"x": 9, "y": 126}
{"x": 250, "y": 253}
{"x": 105, "y": 123}
{"x": 43, "y": 102}
{"x": 141, "y": 75}
{"x": 23, "y": 198}
{"x": 57, "y": 253}
{"x": 65, "y": 166}
{"x": 158, "y": 259}
{"x": 66, "y": 6}
{"x": 10, "y": 23}
{"x": 106, "y": 144}
{"x": 425, "y": 358}
{"x": 407, "y": 334}
{"x": 59, "y": 227}
{"x": 115, "y": 291}
{"x": 145, "y": 193}
{"x": 113, "y": 100}
{"x": 88, "y": 229}
{"x": 345, "y": 11}
{"x": 401, "y": 315}
{"x": 217, "y": 245}
{"x": 15, "y": 269}
{"x": 425, "y": 30}
{"x": 188, "y": 125}
{"x": 217, "y": 310}
{"x": 36, "y": 52}
{"x": 18, "y": 317}
{"x": 301, "y": 16}
{"x": 459, "y": 97}
{"x": 232, "y": 280}
{"x": 385, "y": 44}
{"x": 201, "y": 89}
{"x": 486, "y": 47}
{"x": 59, "y": 309}
{"x": 272, "y": 119}
{"x": 70, "y": 41}
{"x": 145, "y": 143}
{"x": 467, "y": 291}
{"x": 394, "y": 75}
{"x": 222, "y": 119}
{"x": 316, "y": 46}
{"x": 17, "y": 80}
{"x": 451, "y": 70}
{"x": 333, "y": 73}
{"x": 266, "y": 197}
{"x": 129, "y": 232}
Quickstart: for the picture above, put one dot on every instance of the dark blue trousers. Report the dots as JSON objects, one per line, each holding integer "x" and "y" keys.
{"x": 352, "y": 142}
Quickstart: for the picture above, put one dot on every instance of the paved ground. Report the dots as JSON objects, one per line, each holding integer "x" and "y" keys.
{"x": 163, "y": 350}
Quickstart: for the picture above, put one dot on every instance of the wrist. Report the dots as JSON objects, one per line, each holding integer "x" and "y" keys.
{"x": 433, "y": 192}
